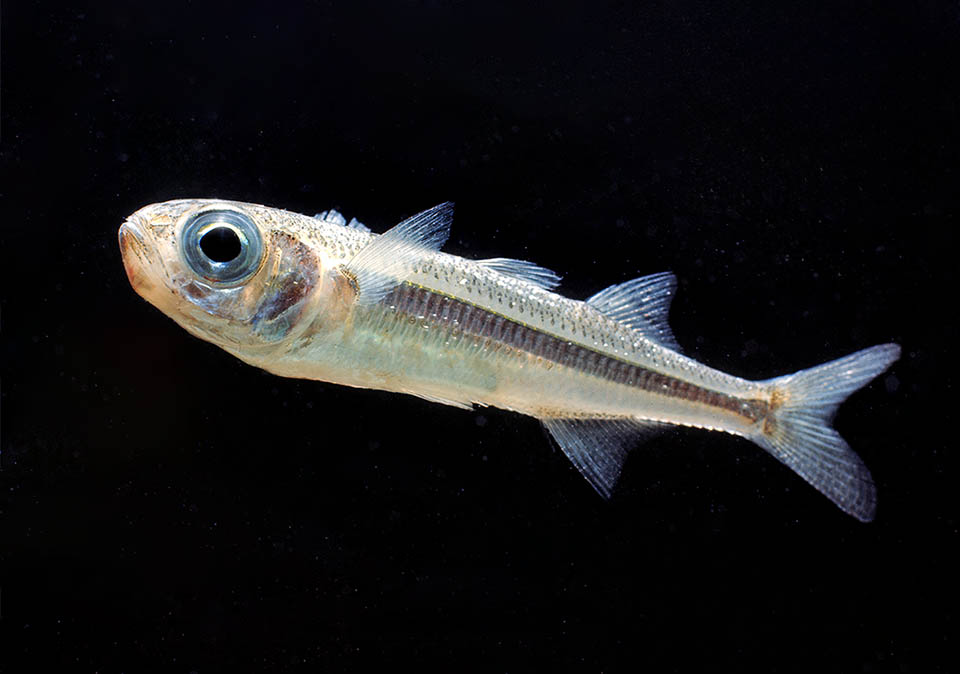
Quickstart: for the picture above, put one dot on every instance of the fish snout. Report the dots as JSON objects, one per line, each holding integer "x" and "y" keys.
{"x": 130, "y": 231}
{"x": 133, "y": 250}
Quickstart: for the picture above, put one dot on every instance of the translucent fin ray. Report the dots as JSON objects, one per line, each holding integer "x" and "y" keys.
{"x": 642, "y": 304}
{"x": 335, "y": 217}
{"x": 462, "y": 404}
{"x": 799, "y": 434}
{"x": 598, "y": 447}
{"x": 390, "y": 258}
{"x": 523, "y": 270}
{"x": 356, "y": 224}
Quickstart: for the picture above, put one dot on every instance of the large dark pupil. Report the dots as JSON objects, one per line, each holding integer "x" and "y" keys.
{"x": 220, "y": 244}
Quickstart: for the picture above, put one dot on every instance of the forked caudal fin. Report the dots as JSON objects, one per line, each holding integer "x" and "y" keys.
{"x": 798, "y": 431}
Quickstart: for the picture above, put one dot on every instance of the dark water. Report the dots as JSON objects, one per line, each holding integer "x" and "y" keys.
{"x": 169, "y": 508}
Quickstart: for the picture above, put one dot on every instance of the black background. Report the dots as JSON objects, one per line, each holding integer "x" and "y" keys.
{"x": 168, "y": 508}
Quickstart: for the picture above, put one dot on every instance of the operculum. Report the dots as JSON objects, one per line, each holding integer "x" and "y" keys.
{"x": 290, "y": 276}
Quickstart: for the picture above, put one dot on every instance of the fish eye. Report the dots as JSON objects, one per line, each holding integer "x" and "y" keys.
{"x": 223, "y": 246}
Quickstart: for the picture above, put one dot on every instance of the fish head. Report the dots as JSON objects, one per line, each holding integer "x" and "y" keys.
{"x": 238, "y": 275}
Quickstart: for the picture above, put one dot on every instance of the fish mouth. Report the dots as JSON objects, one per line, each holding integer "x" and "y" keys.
{"x": 133, "y": 250}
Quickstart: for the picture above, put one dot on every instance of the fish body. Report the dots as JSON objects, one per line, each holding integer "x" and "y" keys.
{"x": 320, "y": 298}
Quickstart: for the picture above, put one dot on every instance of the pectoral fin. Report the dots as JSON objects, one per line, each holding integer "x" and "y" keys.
{"x": 390, "y": 258}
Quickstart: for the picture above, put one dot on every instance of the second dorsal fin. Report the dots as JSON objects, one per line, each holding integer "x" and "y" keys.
{"x": 642, "y": 304}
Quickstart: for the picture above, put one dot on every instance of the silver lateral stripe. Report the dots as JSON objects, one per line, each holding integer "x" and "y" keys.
{"x": 458, "y": 316}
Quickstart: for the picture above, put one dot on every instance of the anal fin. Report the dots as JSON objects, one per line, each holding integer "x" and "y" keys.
{"x": 598, "y": 447}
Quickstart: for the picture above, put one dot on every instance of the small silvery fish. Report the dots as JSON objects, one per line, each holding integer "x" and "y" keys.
{"x": 320, "y": 298}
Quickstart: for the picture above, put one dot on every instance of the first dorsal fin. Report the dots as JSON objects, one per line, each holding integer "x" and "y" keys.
{"x": 523, "y": 270}
{"x": 388, "y": 259}
{"x": 642, "y": 304}
{"x": 598, "y": 447}
{"x": 356, "y": 224}
{"x": 335, "y": 217}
